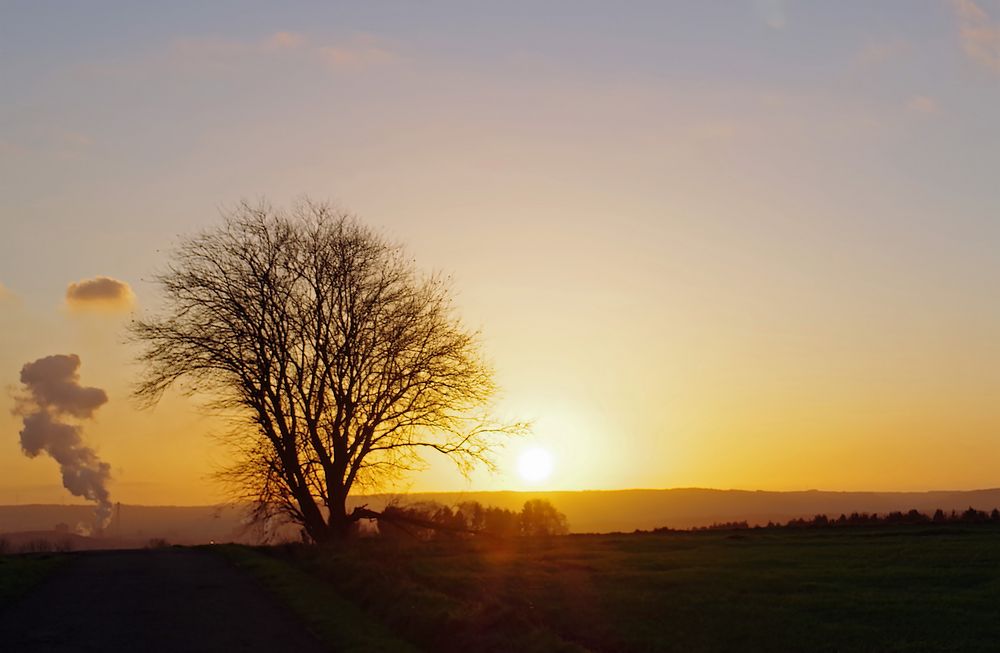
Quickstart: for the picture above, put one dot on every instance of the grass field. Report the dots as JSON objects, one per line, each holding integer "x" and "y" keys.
{"x": 340, "y": 623}
{"x": 858, "y": 589}
{"x": 19, "y": 573}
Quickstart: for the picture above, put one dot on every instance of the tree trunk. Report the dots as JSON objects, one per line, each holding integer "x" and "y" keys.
{"x": 339, "y": 525}
{"x": 340, "y": 528}
{"x": 312, "y": 518}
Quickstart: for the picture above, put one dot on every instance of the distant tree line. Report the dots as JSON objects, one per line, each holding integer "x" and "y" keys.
{"x": 910, "y": 518}
{"x": 433, "y": 521}
{"x": 35, "y": 545}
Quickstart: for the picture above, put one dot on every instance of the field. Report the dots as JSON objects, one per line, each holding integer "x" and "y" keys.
{"x": 20, "y": 573}
{"x": 835, "y": 589}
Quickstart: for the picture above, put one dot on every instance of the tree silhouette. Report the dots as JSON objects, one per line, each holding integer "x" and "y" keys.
{"x": 322, "y": 337}
{"x": 540, "y": 518}
{"x": 432, "y": 521}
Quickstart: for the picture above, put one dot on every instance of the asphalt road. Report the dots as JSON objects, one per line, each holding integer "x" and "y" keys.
{"x": 150, "y": 601}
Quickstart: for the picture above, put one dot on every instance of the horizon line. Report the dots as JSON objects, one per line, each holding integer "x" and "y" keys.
{"x": 226, "y": 504}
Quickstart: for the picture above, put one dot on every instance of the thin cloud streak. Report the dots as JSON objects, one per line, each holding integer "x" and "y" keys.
{"x": 980, "y": 34}
{"x": 361, "y": 51}
{"x": 212, "y": 55}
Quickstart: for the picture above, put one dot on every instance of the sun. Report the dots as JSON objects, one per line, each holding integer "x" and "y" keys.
{"x": 535, "y": 465}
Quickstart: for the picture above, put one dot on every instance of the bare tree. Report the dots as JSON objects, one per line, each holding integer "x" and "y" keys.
{"x": 343, "y": 362}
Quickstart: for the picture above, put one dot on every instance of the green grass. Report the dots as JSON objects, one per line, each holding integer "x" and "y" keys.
{"x": 335, "y": 621}
{"x": 19, "y": 573}
{"x": 862, "y": 589}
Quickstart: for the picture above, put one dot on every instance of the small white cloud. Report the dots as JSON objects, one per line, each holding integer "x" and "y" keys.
{"x": 923, "y": 104}
{"x": 980, "y": 33}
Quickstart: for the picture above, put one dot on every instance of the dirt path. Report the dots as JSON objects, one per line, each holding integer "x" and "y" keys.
{"x": 150, "y": 601}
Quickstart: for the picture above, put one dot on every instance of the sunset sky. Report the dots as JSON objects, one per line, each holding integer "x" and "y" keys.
{"x": 717, "y": 244}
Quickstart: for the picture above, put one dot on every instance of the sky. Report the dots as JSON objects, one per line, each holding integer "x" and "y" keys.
{"x": 747, "y": 244}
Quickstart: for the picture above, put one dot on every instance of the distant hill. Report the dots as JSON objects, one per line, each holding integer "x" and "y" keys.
{"x": 52, "y": 540}
{"x": 590, "y": 511}
{"x": 596, "y": 511}
{"x": 131, "y": 526}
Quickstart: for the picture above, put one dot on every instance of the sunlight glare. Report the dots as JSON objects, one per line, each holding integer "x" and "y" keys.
{"x": 535, "y": 465}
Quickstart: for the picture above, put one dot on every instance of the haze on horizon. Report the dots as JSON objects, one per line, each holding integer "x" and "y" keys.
{"x": 746, "y": 245}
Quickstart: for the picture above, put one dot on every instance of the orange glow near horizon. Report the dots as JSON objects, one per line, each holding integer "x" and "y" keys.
{"x": 717, "y": 412}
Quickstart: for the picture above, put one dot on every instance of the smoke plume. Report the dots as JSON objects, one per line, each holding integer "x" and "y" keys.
{"x": 54, "y": 393}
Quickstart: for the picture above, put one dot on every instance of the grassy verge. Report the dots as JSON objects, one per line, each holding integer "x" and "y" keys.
{"x": 337, "y": 622}
{"x": 19, "y": 573}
